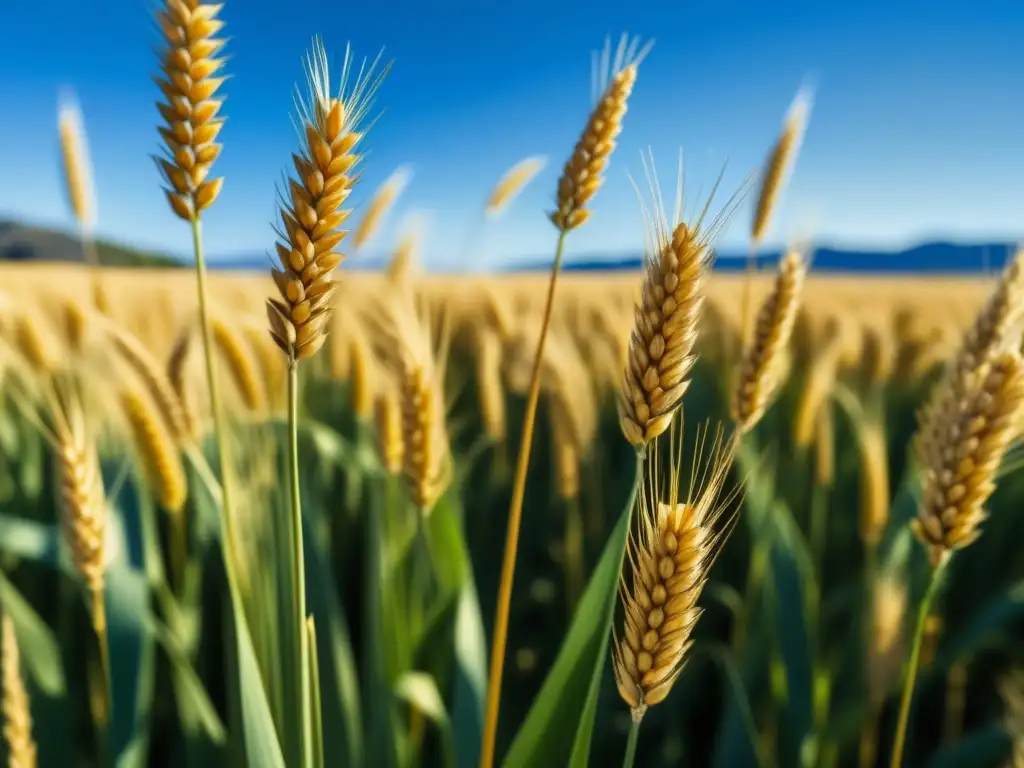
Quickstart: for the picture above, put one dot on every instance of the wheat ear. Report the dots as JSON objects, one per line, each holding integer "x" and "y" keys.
{"x": 17, "y": 712}
{"x": 157, "y": 452}
{"x": 669, "y": 559}
{"x": 190, "y": 85}
{"x": 963, "y": 449}
{"x": 490, "y": 390}
{"x": 381, "y": 203}
{"x": 760, "y": 369}
{"x": 390, "y": 436}
{"x": 583, "y": 173}
{"x": 240, "y": 364}
{"x": 779, "y": 164}
{"x": 311, "y": 211}
{"x": 512, "y": 183}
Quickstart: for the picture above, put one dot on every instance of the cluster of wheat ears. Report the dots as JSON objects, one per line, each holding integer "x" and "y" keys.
{"x": 179, "y": 372}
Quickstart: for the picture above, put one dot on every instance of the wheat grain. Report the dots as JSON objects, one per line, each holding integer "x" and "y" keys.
{"x": 17, "y": 712}
{"x": 760, "y": 371}
{"x": 669, "y": 562}
{"x": 380, "y": 205}
{"x": 156, "y": 450}
{"x": 190, "y": 85}
{"x": 963, "y": 449}
{"x": 583, "y": 172}
{"x": 779, "y": 164}
{"x": 311, "y": 211}
{"x": 512, "y": 183}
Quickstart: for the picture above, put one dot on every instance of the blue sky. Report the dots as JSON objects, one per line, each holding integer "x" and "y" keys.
{"x": 915, "y": 132}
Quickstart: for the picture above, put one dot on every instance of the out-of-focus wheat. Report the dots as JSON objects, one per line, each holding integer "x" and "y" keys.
{"x": 17, "y": 712}
{"x": 512, "y": 182}
{"x": 380, "y": 205}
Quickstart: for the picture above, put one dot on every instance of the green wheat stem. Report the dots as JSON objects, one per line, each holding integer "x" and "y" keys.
{"x": 634, "y": 737}
{"x": 219, "y": 437}
{"x": 300, "y": 742}
{"x": 911, "y": 678}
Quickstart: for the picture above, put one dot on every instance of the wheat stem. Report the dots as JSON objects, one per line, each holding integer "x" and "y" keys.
{"x": 915, "y": 653}
{"x": 515, "y": 513}
{"x": 300, "y": 742}
{"x": 98, "y": 612}
{"x": 211, "y": 379}
{"x": 634, "y": 737}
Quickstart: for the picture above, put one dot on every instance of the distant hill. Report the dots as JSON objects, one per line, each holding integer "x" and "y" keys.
{"x": 23, "y": 243}
{"x": 934, "y": 258}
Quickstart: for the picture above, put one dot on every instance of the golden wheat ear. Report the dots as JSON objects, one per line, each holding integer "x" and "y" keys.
{"x": 662, "y": 346}
{"x": 963, "y": 448}
{"x": 669, "y": 558}
{"x": 17, "y": 711}
{"x": 330, "y": 129}
{"x": 583, "y": 173}
{"x": 760, "y": 372}
{"x": 380, "y": 205}
{"x": 512, "y": 182}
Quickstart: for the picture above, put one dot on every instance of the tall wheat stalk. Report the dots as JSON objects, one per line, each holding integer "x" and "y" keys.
{"x": 189, "y": 83}
{"x": 581, "y": 178}
{"x": 311, "y": 214}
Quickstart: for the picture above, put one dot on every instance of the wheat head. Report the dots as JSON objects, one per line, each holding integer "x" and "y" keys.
{"x": 157, "y": 452}
{"x": 963, "y": 449}
{"x": 760, "y": 369}
{"x": 311, "y": 211}
{"x": 512, "y": 182}
{"x": 669, "y": 560}
{"x": 390, "y": 437}
{"x": 240, "y": 364}
{"x": 874, "y": 481}
{"x": 17, "y": 711}
{"x": 190, "y": 85}
{"x": 380, "y": 205}
{"x": 583, "y": 173}
{"x": 778, "y": 164}
{"x": 77, "y": 167}
{"x": 490, "y": 389}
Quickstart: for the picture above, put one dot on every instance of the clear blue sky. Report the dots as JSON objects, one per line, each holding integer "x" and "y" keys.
{"x": 916, "y": 130}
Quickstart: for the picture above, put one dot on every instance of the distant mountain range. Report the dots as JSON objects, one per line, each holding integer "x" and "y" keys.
{"x": 24, "y": 243}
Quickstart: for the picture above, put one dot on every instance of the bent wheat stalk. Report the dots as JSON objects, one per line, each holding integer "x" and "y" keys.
{"x": 581, "y": 178}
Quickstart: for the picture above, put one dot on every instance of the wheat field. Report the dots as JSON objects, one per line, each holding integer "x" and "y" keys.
{"x": 320, "y": 516}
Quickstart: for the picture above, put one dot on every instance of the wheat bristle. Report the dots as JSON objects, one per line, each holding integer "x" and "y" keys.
{"x": 156, "y": 450}
{"x": 311, "y": 207}
{"x": 963, "y": 448}
{"x": 512, "y": 182}
{"x": 381, "y": 203}
{"x": 760, "y": 371}
{"x": 190, "y": 84}
{"x": 669, "y": 560}
{"x": 778, "y": 165}
{"x": 17, "y": 710}
{"x": 583, "y": 173}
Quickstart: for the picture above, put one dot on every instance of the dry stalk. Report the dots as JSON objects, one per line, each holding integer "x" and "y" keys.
{"x": 17, "y": 712}
{"x": 311, "y": 211}
{"x": 963, "y": 448}
{"x": 669, "y": 560}
{"x": 189, "y": 84}
{"x": 760, "y": 369}
{"x": 512, "y": 182}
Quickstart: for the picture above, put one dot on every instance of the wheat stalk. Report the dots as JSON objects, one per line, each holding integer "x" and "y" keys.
{"x": 17, "y": 712}
{"x": 670, "y": 556}
{"x": 761, "y": 368}
{"x": 512, "y": 183}
{"x": 380, "y": 205}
